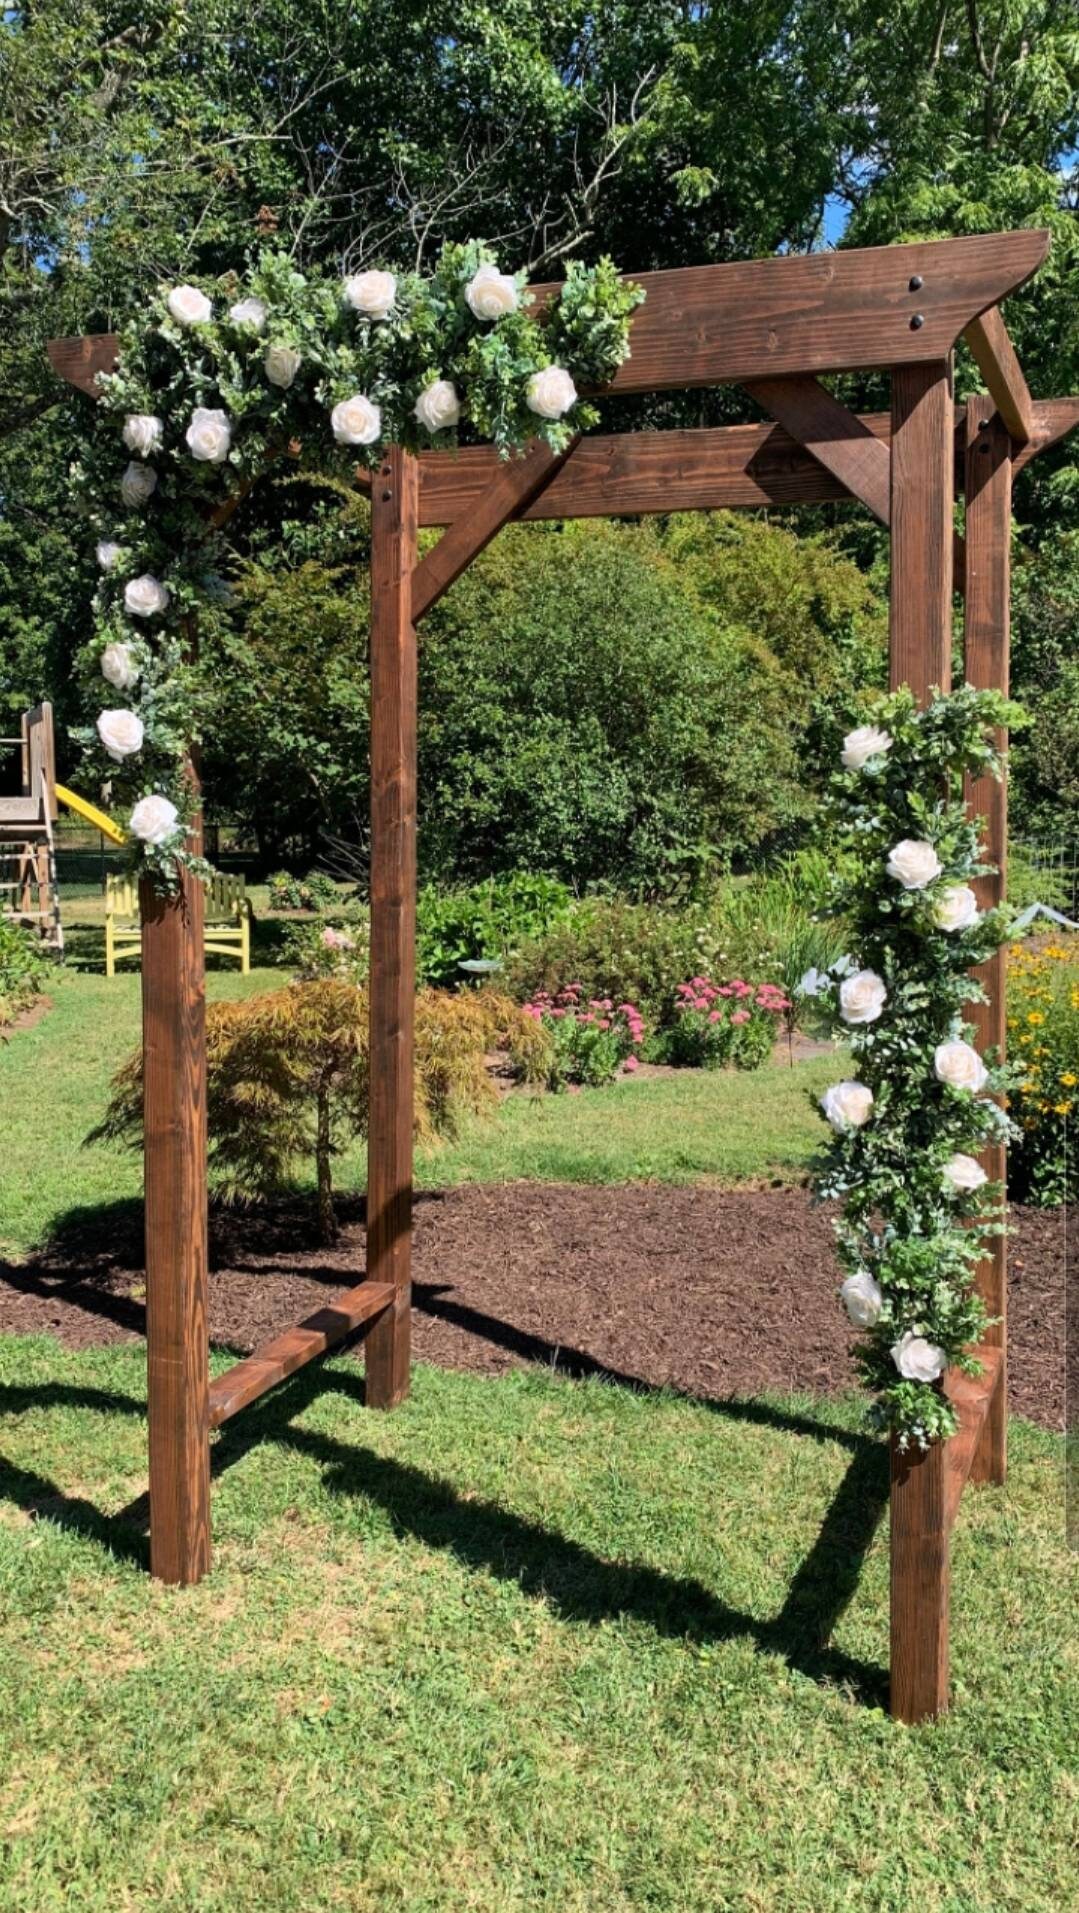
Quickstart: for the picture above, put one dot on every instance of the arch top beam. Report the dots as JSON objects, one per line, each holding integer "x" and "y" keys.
{"x": 878, "y": 306}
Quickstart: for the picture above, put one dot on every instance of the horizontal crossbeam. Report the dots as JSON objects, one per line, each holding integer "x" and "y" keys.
{"x": 243, "y": 1384}
{"x": 763, "y": 318}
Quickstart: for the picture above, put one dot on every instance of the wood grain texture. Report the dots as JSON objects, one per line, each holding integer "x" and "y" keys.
{"x": 989, "y": 341}
{"x": 973, "y": 1397}
{"x": 177, "y": 1335}
{"x": 923, "y": 478}
{"x": 986, "y": 665}
{"x": 833, "y": 436}
{"x": 763, "y": 318}
{"x": 512, "y": 486}
{"x": 393, "y": 920}
{"x": 1053, "y": 420}
{"x": 920, "y": 1578}
{"x": 633, "y": 473}
{"x": 284, "y": 1354}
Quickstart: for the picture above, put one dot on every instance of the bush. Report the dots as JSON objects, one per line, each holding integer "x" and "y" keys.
{"x": 287, "y": 1079}
{"x": 715, "y": 1024}
{"x": 340, "y": 950}
{"x": 23, "y": 969}
{"x": 316, "y": 891}
{"x": 486, "y": 922}
{"x": 631, "y": 952}
{"x": 589, "y": 1041}
{"x": 1043, "y": 1035}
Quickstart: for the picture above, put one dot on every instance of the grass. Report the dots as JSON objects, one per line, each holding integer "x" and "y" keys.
{"x": 526, "y": 1643}
{"x": 724, "y": 1128}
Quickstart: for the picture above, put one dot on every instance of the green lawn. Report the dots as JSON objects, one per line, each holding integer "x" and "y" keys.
{"x": 54, "y": 1080}
{"x": 524, "y": 1643}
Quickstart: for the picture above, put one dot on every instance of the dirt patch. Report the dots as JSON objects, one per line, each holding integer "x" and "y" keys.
{"x": 713, "y": 1292}
{"x": 26, "y": 1019}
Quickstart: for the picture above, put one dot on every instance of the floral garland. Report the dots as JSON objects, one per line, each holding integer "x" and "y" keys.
{"x": 220, "y": 382}
{"x": 918, "y": 1209}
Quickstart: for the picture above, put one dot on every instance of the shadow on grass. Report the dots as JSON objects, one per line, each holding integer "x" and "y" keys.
{"x": 579, "y": 1584}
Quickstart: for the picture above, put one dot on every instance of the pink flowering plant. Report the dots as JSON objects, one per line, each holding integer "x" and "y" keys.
{"x": 719, "y": 1023}
{"x": 591, "y": 1039}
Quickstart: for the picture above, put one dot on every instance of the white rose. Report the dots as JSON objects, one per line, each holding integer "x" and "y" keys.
{"x": 118, "y": 666}
{"x": 250, "y": 313}
{"x": 955, "y": 908}
{"x": 143, "y": 433}
{"x": 916, "y": 1359}
{"x": 356, "y": 421}
{"x": 137, "y": 484}
{"x": 438, "y": 406}
{"x": 209, "y": 435}
{"x": 847, "y": 1105}
{"x": 960, "y": 1066}
{"x": 154, "y": 820}
{"x": 913, "y": 863}
{"x": 963, "y": 1174}
{"x": 551, "y": 392}
{"x": 144, "y": 597}
{"x": 860, "y": 745}
{"x": 491, "y": 294}
{"x": 862, "y": 997}
{"x": 281, "y": 365}
{"x": 189, "y": 306}
{"x": 108, "y": 554}
{"x": 121, "y": 733}
{"x": 372, "y": 293}
{"x": 862, "y": 1299}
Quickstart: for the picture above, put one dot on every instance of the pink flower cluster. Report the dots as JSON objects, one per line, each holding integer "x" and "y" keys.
{"x": 336, "y": 939}
{"x": 700, "y": 993}
{"x": 599, "y": 1013}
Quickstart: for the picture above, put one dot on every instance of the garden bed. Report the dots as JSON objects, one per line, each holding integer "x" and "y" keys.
{"x": 708, "y": 1291}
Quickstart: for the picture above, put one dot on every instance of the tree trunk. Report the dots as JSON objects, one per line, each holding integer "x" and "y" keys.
{"x": 327, "y": 1220}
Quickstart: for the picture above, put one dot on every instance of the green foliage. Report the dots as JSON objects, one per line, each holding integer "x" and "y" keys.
{"x": 24, "y": 967}
{"x": 316, "y": 891}
{"x": 288, "y": 1079}
{"x": 714, "y": 1024}
{"x": 911, "y": 1233}
{"x": 1043, "y": 1041}
{"x": 631, "y": 952}
{"x": 485, "y": 923}
{"x": 588, "y": 1041}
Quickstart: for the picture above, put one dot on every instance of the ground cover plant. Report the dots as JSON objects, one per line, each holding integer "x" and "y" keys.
{"x": 1043, "y": 1038}
{"x": 596, "y": 1636}
{"x": 588, "y": 1039}
{"x": 718, "y": 1023}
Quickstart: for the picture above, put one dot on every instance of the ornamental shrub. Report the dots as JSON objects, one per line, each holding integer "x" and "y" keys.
{"x": 714, "y": 1024}
{"x": 635, "y": 952}
{"x": 488, "y": 922}
{"x": 316, "y": 891}
{"x": 23, "y": 969}
{"x": 589, "y": 1039}
{"x": 907, "y": 1125}
{"x": 1043, "y": 1043}
{"x": 287, "y": 1080}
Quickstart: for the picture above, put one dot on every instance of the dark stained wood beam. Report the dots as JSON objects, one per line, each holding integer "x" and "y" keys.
{"x": 513, "y": 485}
{"x": 246, "y": 1381}
{"x": 763, "y": 318}
{"x": 1053, "y": 420}
{"x": 989, "y": 341}
{"x": 832, "y": 435}
{"x": 974, "y": 1398}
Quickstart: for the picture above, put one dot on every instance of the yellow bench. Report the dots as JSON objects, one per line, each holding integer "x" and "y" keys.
{"x": 228, "y": 920}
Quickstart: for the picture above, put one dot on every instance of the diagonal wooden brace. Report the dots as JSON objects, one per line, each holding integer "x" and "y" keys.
{"x": 833, "y": 435}
{"x": 509, "y": 493}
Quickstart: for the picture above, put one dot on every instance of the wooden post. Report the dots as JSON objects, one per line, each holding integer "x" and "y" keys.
{"x": 988, "y": 620}
{"x": 923, "y": 476}
{"x": 177, "y": 1337}
{"x": 394, "y": 506}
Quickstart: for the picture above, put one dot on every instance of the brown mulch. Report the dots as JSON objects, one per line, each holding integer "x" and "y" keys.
{"x": 708, "y": 1291}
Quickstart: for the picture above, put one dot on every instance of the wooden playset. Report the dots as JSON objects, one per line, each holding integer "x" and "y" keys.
{"x": 772, "y": 326}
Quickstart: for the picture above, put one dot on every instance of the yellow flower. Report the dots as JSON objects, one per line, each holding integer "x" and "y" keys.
{"x": 1069, "y": 1079}
{"x": 1061, "y": 1109}
{"x": 1035, "y": 1016}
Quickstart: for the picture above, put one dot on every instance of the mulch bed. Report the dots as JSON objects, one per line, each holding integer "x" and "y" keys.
{"x": 708, "y": 1291}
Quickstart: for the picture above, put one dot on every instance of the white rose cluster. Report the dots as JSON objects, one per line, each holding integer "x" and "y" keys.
{"x": 490, "y": 294}
{"x": 862, "y": 997}
{"x": 847, "y": 1105}
{"x": 551, "y": 393}
{"x": 917, "y": 1359}
{"x": 209, "y": 435}
{"x": 356, "y": 421}
{"x": 154, "y": 820}
{"x": 145, "y": 597}
{"x": 121, "y": 733}
{"x": 372, "y": 293}
{"x": 914, "y": 863}
{"x": 438, "y": 406}
{"x": 862, "y": 745}
{"x": 188, "y": 306}
{"x": 959, "y": 1066}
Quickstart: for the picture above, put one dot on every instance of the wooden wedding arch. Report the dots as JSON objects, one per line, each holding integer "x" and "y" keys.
{"x": 771, "y": 326}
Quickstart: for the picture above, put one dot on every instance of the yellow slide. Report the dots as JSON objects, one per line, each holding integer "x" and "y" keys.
{"x": 92, "y": 814}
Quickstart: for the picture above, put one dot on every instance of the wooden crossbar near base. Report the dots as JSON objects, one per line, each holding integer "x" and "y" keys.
{"x": 241, "y": 1385}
